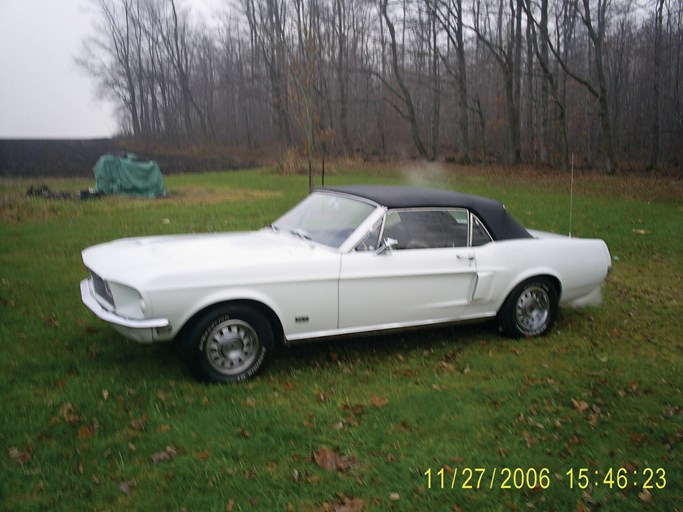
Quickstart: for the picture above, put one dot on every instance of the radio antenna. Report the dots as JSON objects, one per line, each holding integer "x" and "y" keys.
{"x": 571, "y": 197}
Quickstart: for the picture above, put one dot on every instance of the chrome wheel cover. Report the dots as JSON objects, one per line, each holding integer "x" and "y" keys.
{"x": 232, "y": 347}
{"x": 532, "y": 309}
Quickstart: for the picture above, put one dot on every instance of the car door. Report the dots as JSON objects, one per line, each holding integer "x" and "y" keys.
{"x": 428, "y": 275}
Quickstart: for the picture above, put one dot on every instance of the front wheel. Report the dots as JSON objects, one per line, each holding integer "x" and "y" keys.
{"x": 530, "y": 309}
{"x": 228, "y": 344}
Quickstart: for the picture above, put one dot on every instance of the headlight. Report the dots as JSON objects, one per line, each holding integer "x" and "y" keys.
{"x": 129, "y": 302}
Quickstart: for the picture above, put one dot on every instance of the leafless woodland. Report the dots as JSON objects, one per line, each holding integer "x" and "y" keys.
{"x": 517, "y": 81}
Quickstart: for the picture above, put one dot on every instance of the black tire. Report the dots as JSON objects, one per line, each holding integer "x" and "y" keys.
{"x": 530, "y": 309}
{"x": 228, "y": 344}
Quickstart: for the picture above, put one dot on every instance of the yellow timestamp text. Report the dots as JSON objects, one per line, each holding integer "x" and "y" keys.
{"x": 465, "y": 478}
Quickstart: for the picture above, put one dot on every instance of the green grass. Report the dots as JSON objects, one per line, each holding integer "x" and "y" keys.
{"x": 86, "y": 415}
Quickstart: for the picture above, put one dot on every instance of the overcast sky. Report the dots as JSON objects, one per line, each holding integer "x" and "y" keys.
{"x": 43, "y": 93}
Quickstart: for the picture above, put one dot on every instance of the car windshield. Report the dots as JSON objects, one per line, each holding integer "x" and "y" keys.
{"x": 328, "y": 219}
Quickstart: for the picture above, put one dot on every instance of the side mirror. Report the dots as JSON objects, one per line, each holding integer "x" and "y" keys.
{"x": 388, "y": 245}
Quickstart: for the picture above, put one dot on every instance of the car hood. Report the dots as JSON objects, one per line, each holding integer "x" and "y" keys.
{"x": 143, "y": 261}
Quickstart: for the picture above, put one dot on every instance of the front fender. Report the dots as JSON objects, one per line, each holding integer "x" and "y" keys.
{"x": 180, "y": 313}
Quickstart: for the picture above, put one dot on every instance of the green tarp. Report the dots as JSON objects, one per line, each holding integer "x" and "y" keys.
{"x": 125, "y": 174}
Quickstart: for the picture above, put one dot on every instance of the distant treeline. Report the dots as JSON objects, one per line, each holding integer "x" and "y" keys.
{"x": 506, "y": 80}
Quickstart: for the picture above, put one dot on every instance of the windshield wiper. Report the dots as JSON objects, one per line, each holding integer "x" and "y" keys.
{"x": 300, "y": 233}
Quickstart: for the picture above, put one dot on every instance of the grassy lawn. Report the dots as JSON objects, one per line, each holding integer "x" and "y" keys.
{"x": 582, "y": 419}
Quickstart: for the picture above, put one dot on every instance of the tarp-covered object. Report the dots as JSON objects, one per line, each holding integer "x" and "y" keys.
{"x": 125, "y": 174}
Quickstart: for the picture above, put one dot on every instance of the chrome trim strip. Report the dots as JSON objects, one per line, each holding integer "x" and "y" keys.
{"x": 386, "y": 328}
{"x": 112, "y": 318}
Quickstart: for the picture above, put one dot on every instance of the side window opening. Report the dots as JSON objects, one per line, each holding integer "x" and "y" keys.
{"x": 427, "y": 229}
{"x": 371, "y": 240}
{"x": 480, "y": 235}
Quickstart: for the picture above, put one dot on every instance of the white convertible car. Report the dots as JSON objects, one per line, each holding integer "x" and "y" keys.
{"x": 344, "y": 261}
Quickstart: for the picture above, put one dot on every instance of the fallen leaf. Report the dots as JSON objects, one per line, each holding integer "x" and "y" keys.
{"x": 86, "y": 432}
{"x": 529, "y": 439}
{"x": 638, "y": 439}
{"x": 593, "y": 420}
{"x": 580, "y": 405}
{"x": 330, "y": 460}
{"x": 344, "y": 504}
{"x": 394, "y": 496}
{"x": 230, "y": 506}
{"x": 164, "y": 456}
{"x": 575, "y": 439}
{"x": 351, "y": 505}
{"x": 250, "y": 402}
{"x": 19, "y": 456}
{"x": 645, "y": 496}
{"x": 137, "y": 424}
{"x": 628, "y": 466}
{"x": 449, "y": 367}
{"x": 357, "y": 409}
{"x": 379, "y": 401}
{"x": 160, "y": 457}
{"x": 326, "y": 459}
{"x": 69, "y": 413}
{"x": 203, "y": 455}
{"x": 127, "y": 486}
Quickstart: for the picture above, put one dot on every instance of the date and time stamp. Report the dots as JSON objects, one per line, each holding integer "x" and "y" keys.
{"x": 465, "y": 478}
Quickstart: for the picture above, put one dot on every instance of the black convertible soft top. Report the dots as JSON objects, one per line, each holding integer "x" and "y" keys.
{"x": 492, "y": 213}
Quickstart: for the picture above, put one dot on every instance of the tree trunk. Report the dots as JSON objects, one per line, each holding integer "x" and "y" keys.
{"x": 597, "y": 39}
{"x": 405, "y": 93}
{"x": 654, "y": 150}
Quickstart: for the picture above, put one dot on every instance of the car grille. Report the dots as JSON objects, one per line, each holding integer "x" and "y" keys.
{"x": 102, "y": 288}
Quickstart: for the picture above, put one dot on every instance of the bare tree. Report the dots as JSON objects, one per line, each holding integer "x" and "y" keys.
{"x": 504, "y": 42}
{"x": 657, "y": 60}
{"x": 368, "y": 77}
{"x": 403, "y": 93}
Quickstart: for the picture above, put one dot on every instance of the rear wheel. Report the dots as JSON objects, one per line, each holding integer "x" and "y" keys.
{"x": 530, "y": 309}
{"x": 228, "y": 344}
